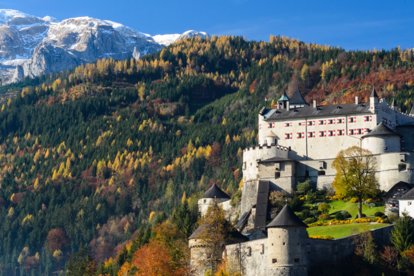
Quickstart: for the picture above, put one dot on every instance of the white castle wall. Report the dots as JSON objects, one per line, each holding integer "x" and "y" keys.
{"x": 315, "y": 147}
{"x": 391, "y": 169}
{"x": 252, "y": 155}
{"x": 384, "y": 144}
{"x": 205, "y": 203}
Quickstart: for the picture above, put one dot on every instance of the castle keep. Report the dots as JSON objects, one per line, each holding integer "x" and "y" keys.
{"x": 297, "y": 141}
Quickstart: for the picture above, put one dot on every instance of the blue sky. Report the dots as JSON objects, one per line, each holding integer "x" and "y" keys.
{"x": 363, "y": 24}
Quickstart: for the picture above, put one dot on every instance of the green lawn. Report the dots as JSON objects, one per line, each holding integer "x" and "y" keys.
{"x": 352, "y": 208}
{"x": 343, "y": 230}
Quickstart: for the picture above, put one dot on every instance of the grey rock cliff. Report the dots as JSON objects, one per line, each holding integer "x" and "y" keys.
{"x": 32, "y": 46}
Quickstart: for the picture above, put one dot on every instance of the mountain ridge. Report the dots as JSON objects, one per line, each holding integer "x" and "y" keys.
{"x": 32, "y": 46}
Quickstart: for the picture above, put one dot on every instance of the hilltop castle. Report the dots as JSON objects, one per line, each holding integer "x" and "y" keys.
{"x": 297, "y": 141}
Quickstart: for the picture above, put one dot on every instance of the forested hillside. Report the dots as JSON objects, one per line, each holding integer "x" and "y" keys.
{"x": 93, "y": 160}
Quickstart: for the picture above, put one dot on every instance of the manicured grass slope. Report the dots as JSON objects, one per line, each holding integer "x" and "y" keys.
{"x": 352, "y": 208}
{"x": 343, "y": 230}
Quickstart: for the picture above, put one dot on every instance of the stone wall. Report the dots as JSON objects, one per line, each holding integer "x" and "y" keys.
{"x": 253, "y": 155}
{"x": 248, "y": 258}
{"x": 252, "y": 257}
{"x": 281, "y": 173}
{"x": 332, "y": 251}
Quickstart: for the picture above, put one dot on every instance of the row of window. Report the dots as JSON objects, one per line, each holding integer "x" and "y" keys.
{"x": 327, "y": 133}
{"x": 351, "y": 119}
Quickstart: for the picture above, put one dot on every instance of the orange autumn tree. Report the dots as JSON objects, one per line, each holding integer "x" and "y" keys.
{"x": 153, "y": 259}
{"x": 167, "y": 253}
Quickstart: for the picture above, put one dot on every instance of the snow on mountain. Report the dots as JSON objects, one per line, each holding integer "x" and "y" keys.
{"x": 168, "y": 39}
{"x": 192, "y": 33}
{"x": 31, "y": 46}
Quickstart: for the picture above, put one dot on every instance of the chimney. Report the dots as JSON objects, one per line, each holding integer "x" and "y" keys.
{"x": 314, "y": 104}
{"x": 356, "y": 100}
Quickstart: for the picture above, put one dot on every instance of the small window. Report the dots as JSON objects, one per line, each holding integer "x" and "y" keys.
{"x": 311, "y": 134}
{"x": 270, "y": 125}
{"x": 274, "y": 261}
{"x": 205, "y": 200}
{"x": 340, "y": 132}
{"x": 311, "y": 123}
{"x": 277, "y": 174}
{"x": 321, "y": 172}
{"x": 322, "y": 133}
{"x": 351, "y": 132}
{"x": 403, "y": 157}
{"x": 340, "y": 121}
{"x": 367, "y": 118}
{"x": 288, "y": 135}
{"x": 321, "y": 122}
{"x": 402, "y": 167}
{"x": 300, "y": 135}
{"x": 244, "y": 165}
{"x": 263, "y": 249}
{"x": 249, "y": 251}
{"x": 331, "y": 133}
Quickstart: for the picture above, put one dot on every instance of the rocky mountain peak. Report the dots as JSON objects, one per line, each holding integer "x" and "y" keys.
{"x": 31, "y": 46}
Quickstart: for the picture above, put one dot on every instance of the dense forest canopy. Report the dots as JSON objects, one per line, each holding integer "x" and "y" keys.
{"x": 96, "y": 157}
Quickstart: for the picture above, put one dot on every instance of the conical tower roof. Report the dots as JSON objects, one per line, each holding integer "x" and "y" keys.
{"x": 297, "y": 98}
{"x": 374, "y": 93}
{"x": 215, "y": 192}
{"x": 381, "y": 130}
{"x": 286, "y": 218}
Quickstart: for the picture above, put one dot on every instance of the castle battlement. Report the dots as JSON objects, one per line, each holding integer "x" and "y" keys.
{"x": 266, "y": 147}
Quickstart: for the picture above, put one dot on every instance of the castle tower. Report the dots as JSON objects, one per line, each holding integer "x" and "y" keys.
{"x": 381, "y": 139}
{"x": 373, "y": 100}
{"x": 287, "y": 245}
{"x": 213, "y": 195}
{"x": 200, "y": 252}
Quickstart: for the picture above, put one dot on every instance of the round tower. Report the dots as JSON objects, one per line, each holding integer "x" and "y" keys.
{"x": 381, "y": 140}
{"x": 213, "y": 195}
{"x": 287, "y": 241}
{"x": 200, "y": 252}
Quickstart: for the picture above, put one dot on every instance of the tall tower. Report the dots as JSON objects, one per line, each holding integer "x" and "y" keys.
{"x": 287, "y": 241}
{"x": 373, "y": 100}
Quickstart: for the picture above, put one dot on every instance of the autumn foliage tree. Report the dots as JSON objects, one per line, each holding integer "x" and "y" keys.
{"x": 213, "y": 231}
{"x": 56, "y": 239}
{"x": 153, "y": 259}
{"x": 355, "y": 174}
